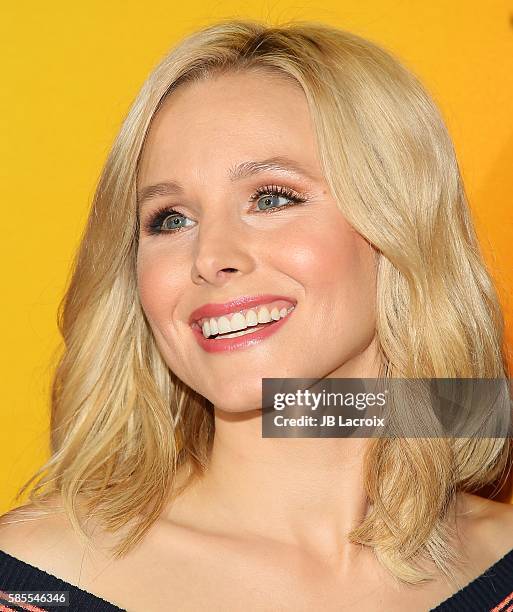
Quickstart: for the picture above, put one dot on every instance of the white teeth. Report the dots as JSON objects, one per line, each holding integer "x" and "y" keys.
{"x": 206, "y": 329}
{"x": 263, "y": 315}
{"x": 223, "y": 325}
{"x": 238, "y": 322}
{"x": 251, "y": 318}
{"x": 213, "y": 326}
{"x": 235, "y": 334}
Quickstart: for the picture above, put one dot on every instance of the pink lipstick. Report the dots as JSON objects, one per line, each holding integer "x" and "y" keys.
{"x": 253, "y": 333}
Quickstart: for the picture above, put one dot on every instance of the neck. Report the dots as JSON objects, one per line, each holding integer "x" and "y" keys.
{"x": 304, "y": 492}
{"x": 307, "y": 493}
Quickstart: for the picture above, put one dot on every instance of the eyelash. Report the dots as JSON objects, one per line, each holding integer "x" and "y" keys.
{"x": 154, "y": 223}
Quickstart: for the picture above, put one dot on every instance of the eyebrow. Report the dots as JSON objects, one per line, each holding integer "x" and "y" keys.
{"x": 235, "y": 173}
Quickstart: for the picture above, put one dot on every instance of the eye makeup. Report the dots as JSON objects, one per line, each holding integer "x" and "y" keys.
{"x": 155, "y": 224}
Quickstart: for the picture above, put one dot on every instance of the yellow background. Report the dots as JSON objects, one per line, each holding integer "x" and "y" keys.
{"x": 69, "y": 74}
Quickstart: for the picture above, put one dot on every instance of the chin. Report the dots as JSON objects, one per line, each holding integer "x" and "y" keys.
{"x": 237, "y": 400}
{"x": 238, "y": 409}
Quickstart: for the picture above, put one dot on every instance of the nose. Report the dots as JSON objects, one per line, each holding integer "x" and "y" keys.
{"x": 223, "y": 251}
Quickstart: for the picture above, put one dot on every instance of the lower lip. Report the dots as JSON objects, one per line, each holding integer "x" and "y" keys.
{"x": 241, "y": 342}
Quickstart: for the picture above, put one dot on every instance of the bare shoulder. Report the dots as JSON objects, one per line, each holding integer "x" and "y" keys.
{"x": 20, "y": 525}
{"x": 49, "y": 542}
{"x": 496, "y": 516}
{"x": 486, "y": 526}
{"x": 43, "y": 537}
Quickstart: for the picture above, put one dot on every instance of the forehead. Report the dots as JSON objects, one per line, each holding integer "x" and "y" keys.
{"x": 226, "y": 119}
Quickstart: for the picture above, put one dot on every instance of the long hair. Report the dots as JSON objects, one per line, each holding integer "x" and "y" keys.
{"x": 122, "y": 424}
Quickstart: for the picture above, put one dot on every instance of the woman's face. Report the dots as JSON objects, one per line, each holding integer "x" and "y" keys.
{"x": 240, "y": 150}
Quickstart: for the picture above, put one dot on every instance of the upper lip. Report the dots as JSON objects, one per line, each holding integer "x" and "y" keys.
{"x": 247, "y": 301}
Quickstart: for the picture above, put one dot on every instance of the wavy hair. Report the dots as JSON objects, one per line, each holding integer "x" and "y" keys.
{"x": 122, "y": 424}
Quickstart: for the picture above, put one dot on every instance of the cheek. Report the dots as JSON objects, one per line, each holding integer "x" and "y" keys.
{"x": 336, "y": 268}
{"x": 161, "y": 280}
{"x": 329, "y": 255}
{"x": 160, "y": 284}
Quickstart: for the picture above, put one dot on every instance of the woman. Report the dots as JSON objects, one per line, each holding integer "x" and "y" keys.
{"x": 300, "y": 176}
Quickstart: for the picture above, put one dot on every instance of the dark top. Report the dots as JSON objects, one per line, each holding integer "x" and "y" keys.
{"x": 492, "y": 591}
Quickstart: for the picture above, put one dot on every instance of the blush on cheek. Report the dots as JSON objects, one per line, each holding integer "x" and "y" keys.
{"x": 159, "y": 287}
{"x": 322, "y": 262}
{"x": 148, "y": 286}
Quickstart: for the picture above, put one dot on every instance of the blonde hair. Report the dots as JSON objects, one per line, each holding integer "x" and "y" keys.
{"x": 122, "y": 423}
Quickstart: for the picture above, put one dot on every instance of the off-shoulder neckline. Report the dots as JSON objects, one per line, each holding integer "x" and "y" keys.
{"x": 468, "y": 589}
{"x": 472, "y": 587}
{"x": 59, "y": 581}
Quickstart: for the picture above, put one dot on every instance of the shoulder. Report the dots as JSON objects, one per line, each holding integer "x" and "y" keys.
{"x": 485, "y": 526}
{"x": 44, "y": 538}
{"x": 491, "y": 515}
{"x": 29, "y": 520}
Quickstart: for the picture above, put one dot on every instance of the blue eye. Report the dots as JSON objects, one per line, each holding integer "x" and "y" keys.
{"x": 174, "y": 221}
{"x": 268, "y": 198}
{"x": 268, "y": 201}
{"x": 166, "y": 220}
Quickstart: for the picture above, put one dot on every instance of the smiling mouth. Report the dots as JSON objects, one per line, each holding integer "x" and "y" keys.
{"x": 242, "y": 323}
